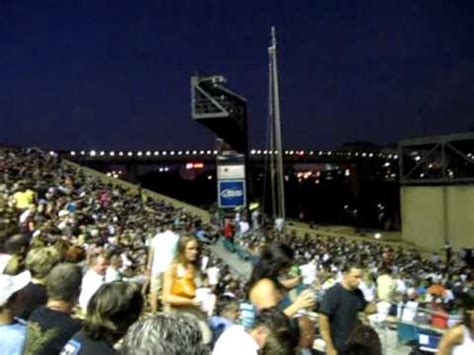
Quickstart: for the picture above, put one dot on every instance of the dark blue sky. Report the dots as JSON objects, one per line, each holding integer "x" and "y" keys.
{"x": 115, "y": 74}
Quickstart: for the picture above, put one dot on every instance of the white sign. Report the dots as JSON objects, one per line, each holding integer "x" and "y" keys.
{"x": 230, "y": 172}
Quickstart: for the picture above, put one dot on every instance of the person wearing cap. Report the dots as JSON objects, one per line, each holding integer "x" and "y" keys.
{"x": 12, "y": 330}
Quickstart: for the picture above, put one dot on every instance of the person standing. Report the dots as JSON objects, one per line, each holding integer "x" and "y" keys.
{"x": 340, "y": 307}
{"x": 161, "y": 253}
{"x": 180, "y": 282}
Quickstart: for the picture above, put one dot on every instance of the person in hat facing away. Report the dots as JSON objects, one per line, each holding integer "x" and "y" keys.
{"x": 12, "y": 330}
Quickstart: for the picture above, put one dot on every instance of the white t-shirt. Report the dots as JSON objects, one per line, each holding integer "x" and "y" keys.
{"x": 164, "y": 249}
{"x": 235, "y": 341}
{"x": 91, "y": 282}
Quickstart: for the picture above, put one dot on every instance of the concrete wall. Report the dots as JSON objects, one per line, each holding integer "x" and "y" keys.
{"x": 432, "y": 215}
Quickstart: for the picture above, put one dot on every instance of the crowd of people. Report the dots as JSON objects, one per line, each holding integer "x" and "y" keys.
{"x": 91, "y": 267}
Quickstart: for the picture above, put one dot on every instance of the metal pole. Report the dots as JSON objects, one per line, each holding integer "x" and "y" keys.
{"x": 278, "y": 145}
{"x": 272, "y": 136}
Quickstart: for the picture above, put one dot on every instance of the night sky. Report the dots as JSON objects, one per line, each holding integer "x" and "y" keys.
{"x": 96, "y": 74}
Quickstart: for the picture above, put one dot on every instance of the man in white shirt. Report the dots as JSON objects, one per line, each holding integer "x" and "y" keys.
{"x": 161, "y": 253}
{"x": 93, "y": 279}
{"x": 270, "y": 332}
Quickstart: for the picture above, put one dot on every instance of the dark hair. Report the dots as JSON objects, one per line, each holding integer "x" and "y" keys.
{"x": 273, "y": 259}
{"x": 164, "y": 334}
{"x": 113, "y": 308}
{"x": 352, "y": 264}
{"x": 363, "y": 340}
{"x": 281, "y": 339}
{"x": 64, "y": 282}
{"x": 226, "y": 304}
{"x": 17, "y": 244}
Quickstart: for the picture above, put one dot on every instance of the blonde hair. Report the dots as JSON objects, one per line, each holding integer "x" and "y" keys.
{"x": 40, "y": 261}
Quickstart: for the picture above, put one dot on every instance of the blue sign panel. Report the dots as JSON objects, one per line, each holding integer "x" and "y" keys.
{"x": 231, "y": 193}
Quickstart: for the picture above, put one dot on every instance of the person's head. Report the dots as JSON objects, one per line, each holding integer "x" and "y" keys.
{"x": 166, "y": 334}
{"x": 40, "y": 261}
{"x": 115, "y": 259}
{"x": 352, "y": 275}
{"x": 273, "y": 333}
{"x": 99, "y": 263}
{"x": 64, "y": 283}
{"x": 274, "y": 260}
{"x": 17, "y": 245}
{"x": 75, "y": 254}
{"x": 188, "y": 250}
{"x": 228, "y": 307}
{"x": 110, "y": 312}
{"x": 9, "y": 287}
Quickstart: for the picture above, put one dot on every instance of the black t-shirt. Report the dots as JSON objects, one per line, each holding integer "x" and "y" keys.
{"x": 31, "y": 297}
{"x": 341, "y": 307}
{"x": 81, "y": 344}
{"x": 49, "y": 330}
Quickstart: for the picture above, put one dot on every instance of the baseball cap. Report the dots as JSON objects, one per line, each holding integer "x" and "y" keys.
{"x": 11, "y": 284}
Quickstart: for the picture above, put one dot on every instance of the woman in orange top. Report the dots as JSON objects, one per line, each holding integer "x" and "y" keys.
{"x": 181, "y": 280}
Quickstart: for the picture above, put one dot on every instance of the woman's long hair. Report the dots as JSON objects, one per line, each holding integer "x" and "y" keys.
{"x": 273, "y": 259}
{"x": 112, "y": 310}
{"x": 181, "y": 250}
